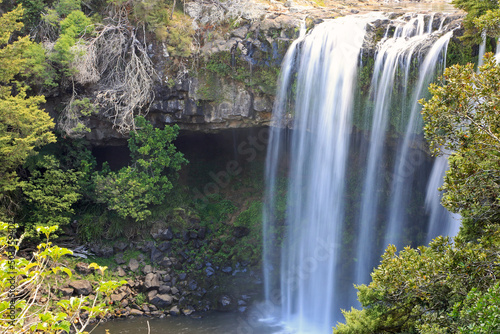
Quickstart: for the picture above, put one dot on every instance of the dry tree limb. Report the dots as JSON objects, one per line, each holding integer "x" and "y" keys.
{"x": 119, "y": 63}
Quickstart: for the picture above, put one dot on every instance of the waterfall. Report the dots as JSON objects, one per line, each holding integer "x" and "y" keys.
{"x": 497, "y": 51}
{"x": 441, "y": 221}
{"x": 275, "y": 151}
{"x": 323, "y": 247}
{"x": 482, "y": 50}
{"x": 409, "y": 161}
{"x": 393, "y": 55}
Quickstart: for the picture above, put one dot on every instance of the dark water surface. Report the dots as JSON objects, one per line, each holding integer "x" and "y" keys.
{"x": 224, "y": 323}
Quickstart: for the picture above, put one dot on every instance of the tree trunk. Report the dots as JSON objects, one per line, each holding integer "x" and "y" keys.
{"x": 173, "y": 8}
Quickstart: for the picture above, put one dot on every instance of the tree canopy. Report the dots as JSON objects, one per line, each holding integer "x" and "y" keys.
{"x": 463, "y": 118}
{"x": 24, "y": 126}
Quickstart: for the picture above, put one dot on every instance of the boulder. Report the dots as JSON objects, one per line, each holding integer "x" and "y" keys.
{"x": 118, "y": 297}
{"x": 151, "y": 281}
{"x": 119, "y": 258}
{"x": 241, "y": 231}
{"x": 156, "y": 255}
{"x": 135, "y": 312}
{"x": 151, "y": 295}
{"x": 187, "y": 311}
{"x": 81, "y": 287}
{"x": 83, "y": 268}
{"x": 192, "y": 285}
{"x": 174, "y": 311}
{"x": 202, "y": 232}
{"x": 226, "y": 303}
{"x": 164, "y": 289}
{"x": 162, "y": 300}
{"x": 147, "y": 246}
{"x": 120, "y": 246}
{"x": 120, "y": 271}
{"x": 147, "y": 269}
{"x": 210, "y": 271}
{"x": 102, "y": 250}
{"x": 165, "y": 246}
{"x": 241, "y": 32}
{"x": 161, "y": 233}
{"x": 65, "y": 292}
{"x": 133, "y": 265}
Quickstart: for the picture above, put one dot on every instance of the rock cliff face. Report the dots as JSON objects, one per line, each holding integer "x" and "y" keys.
{"x": 230, "y": 80}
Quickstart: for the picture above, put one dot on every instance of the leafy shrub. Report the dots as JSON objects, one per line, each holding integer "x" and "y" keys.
{"x": 31, "y": 278}
{"x": 148, "y": 180}
{"x": 425, "y": 289}
{"x": 51, "y": 192}
{"x": 65, "y": 7}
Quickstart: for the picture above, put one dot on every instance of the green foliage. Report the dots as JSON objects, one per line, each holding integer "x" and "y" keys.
{"x": 33, "y": 10}
{"x": 250, "y": 246}
{"x": 474, "y": 9}
{"x": 480, "y": 311}
{"x": 58, "y": 186}
{"x": 51, "y": 192}
{"x": 416, "y": 290}
{"x": 489, "y": 23}
{"x": 178, "y": 35}
{"x": 458, "y": 54}
{"x": 250, "y": 217}
{"x": 179, "y": 44}
{"x": 73, "y": 26}
{"x": 76, "y": 24}
{"x": 220, "y": 63}
{"x": 463, "y": 117}
{"x": 23, "y": 125}
{"x": 66, "y": 7}
{"x": 140, "y": 299}
{"x": 216, "y": 210}
{"x": 148, "y": 180}
{"x": 30, "y": 279}
{"x": 153, "y": 12}
{"x": 225, "y": 64}
{"x": 74, "y": 115}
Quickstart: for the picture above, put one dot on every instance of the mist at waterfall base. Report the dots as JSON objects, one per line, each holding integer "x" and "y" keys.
{"x": 347, "y": 139}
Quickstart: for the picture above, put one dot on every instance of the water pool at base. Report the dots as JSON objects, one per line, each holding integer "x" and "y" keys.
{"x": 224, "y": 323}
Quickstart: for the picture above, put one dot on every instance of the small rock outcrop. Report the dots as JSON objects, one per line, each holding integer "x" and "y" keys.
{"x": 81, "y": 287}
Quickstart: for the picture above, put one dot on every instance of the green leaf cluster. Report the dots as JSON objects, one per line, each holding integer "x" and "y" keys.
{"x": 463, "y": 120}
{"x": 424, "y": 290}
{"x": 24, "y": 126}
{"x": 75, "y": 25}
{"x": 51, "y": 192}
{"x": 480, "y": 311}
{"x": 36, "y": 276}
{"x": 475, "y": 9}
{"x": 148, "y": 180}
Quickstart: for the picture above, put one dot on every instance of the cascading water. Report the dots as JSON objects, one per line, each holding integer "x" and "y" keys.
{"x": 319, "y": 257}
{"x": 441, "y": 221}
{"x": 404, "y": 170}
{"x": 325, "y": 92}
{"x": 482, "y": 50}
{"x": 394, "y": 55}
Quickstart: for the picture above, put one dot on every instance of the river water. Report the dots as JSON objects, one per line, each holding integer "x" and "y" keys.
{"x": 216, "y": 322}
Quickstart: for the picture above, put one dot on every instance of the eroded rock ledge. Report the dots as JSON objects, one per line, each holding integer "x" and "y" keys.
{"x": 231, "y": 80}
